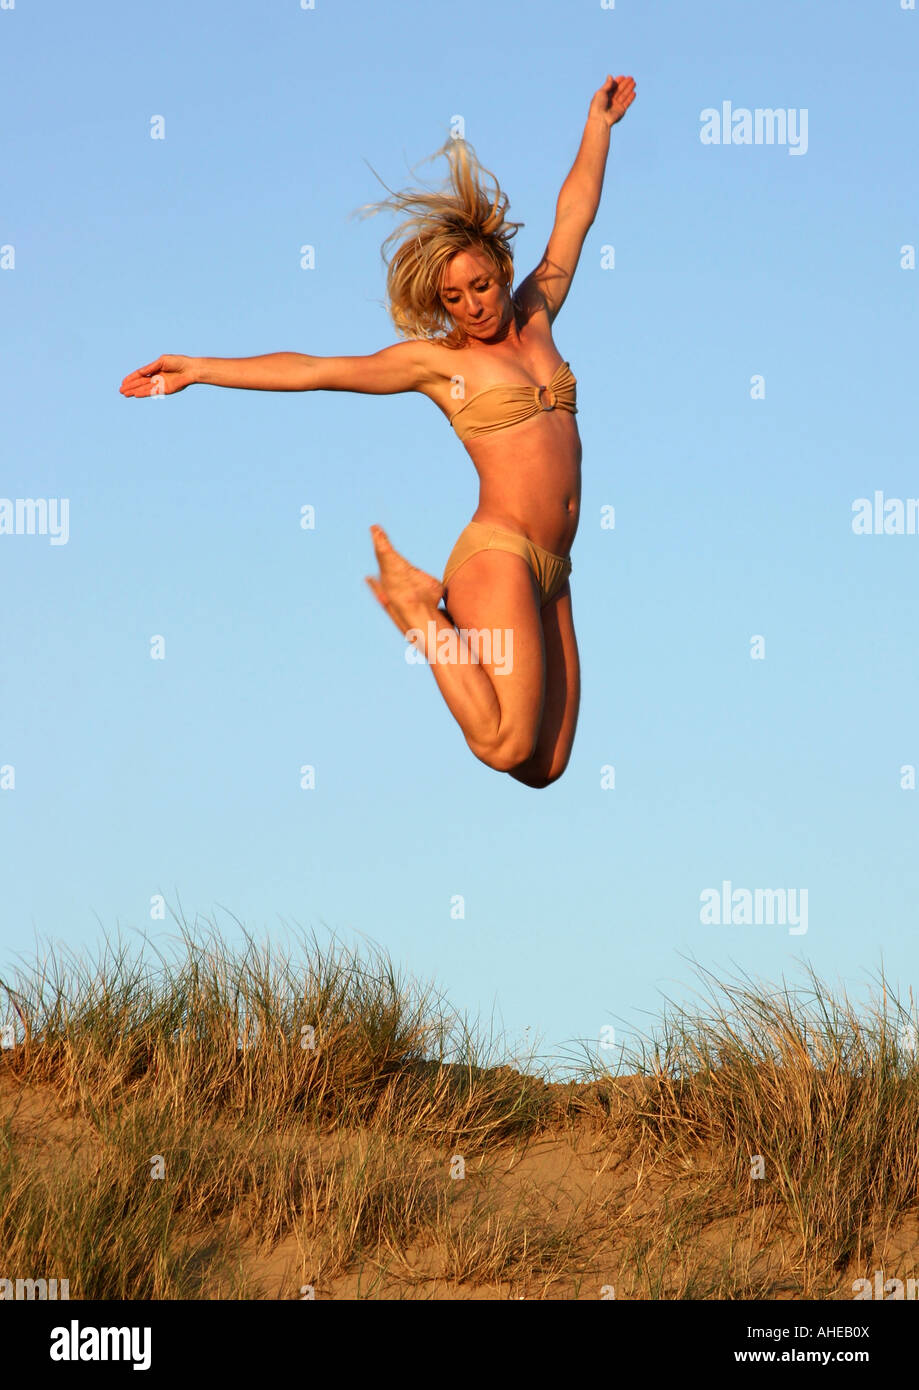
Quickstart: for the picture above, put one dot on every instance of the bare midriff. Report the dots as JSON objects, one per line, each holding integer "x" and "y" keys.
{"x": 530, "y": 478}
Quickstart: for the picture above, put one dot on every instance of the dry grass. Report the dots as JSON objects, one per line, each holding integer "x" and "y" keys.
{"x": 248, "y": 1123}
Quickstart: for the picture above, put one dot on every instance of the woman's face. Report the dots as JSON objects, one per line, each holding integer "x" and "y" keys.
{"x": 474, "y": 295}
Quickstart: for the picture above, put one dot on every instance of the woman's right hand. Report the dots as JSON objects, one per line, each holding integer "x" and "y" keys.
{"x": 164, "y": 377}
{"x": 613, "y": 99}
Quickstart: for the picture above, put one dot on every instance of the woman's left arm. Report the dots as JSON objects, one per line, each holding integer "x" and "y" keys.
{"x": 578, "y": 200}
{"x": 580, "y": 193}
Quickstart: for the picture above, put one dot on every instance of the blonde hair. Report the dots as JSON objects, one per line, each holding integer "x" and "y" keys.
{"x": 463, "y": 216}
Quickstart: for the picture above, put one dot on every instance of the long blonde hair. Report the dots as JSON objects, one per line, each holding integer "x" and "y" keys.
{"x": 463, "y": 215}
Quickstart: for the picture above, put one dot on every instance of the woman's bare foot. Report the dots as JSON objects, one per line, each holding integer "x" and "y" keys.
{"x": 408, "y": 594}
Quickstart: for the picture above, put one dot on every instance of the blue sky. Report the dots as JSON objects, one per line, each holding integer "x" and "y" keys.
{"x": 180, "y": 777}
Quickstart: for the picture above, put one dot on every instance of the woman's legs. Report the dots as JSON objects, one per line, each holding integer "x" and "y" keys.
{"x": 562, "y": 698}
{"x": 497, "y": 701}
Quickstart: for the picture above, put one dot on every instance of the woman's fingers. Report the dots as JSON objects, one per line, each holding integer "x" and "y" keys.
{"x": 157, "y": 378}
{"x": 155, "y": 386}
{"x": 139, "y": 377}
{"x": 622, "y": 96}
{"x": 140, "y": 386}
{"x": 150, "y": 368}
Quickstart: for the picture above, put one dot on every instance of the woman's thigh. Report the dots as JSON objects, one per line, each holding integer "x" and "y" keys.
{"x": 562, "y": 694}
{"x": 494, "y": 594}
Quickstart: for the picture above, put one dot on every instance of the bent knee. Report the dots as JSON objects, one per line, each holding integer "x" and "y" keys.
{"x": 506, "y": 754}
{"x": 534, "y": 773}
{"x": 537, "y": 780}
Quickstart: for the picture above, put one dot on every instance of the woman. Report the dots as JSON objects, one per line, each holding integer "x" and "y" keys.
{"x": 502, "y": 649}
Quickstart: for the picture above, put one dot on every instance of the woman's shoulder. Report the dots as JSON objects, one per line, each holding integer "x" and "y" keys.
{"x": 442, "y": 368}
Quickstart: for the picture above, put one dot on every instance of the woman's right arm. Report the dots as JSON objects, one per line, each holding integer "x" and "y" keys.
{"x": 401, "y": 367}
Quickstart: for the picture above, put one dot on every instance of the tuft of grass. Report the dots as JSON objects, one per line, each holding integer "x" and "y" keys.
{"x": 108, "y": 1229}
{"x": 252, "y": 1033}
{"x": 828, "y": 1100}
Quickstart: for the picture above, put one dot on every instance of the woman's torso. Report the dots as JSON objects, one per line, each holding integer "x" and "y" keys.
{"x": 529, "y": 473}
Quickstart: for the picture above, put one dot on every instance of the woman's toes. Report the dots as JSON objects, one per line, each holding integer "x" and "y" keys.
{"x": 377, "y": 592}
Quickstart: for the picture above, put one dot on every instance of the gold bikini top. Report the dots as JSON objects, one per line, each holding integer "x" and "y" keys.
{"x": 516, "y": 402}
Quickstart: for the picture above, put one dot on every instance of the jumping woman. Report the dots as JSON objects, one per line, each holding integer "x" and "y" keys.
{"x": 471, "y": 339}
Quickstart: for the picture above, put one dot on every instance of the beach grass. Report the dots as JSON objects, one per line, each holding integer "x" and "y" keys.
{"x": 244, "y": 1120}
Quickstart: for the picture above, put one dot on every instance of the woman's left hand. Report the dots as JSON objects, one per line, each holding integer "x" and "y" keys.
{"x": 613, "y": 99}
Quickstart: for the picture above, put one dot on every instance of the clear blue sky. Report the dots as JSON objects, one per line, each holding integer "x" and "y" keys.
{"x": 733, "y": 516}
